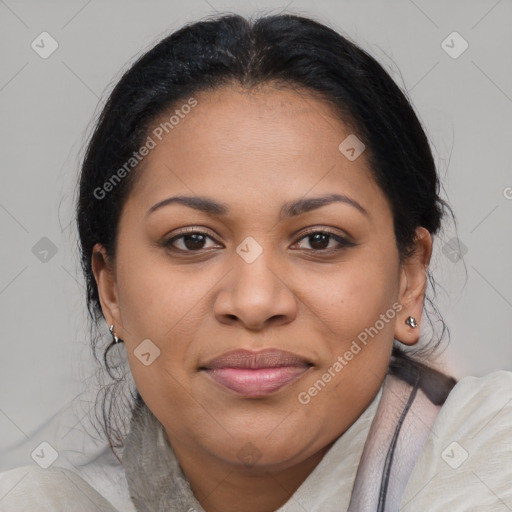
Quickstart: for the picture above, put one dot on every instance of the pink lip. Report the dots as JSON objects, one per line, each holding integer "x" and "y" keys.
{"x": 254, "y": 374}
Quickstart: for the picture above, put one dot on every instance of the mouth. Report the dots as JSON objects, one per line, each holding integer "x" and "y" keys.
{"x": 256, "y": 374}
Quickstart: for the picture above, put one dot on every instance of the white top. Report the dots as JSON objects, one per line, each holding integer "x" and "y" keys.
{"x": 465, "y": 465}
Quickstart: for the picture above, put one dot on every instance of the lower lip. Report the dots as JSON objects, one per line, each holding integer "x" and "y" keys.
{"x": 256, "y": 382}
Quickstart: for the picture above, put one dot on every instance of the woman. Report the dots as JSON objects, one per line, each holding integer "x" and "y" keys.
{"x": 256, "y": 216}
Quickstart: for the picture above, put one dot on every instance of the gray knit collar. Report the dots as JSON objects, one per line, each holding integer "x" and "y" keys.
{"x": 155, "y": 479}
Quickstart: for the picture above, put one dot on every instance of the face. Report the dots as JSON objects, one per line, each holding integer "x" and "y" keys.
{"x": 253, "y": 273}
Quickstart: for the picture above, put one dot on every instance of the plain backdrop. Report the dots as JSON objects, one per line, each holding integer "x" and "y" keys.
{"x": 48, "y": 106}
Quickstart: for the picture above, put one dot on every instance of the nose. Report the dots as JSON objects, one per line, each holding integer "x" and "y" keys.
{"x": 255, "y": 295}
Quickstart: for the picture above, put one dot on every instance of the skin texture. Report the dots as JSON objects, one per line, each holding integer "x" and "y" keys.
{"x": 254, "y": 150}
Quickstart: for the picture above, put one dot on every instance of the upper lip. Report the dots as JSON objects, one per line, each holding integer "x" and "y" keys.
{"x": 268, "y": 358}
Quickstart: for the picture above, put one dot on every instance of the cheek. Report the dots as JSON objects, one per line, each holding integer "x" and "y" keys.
{"x": 157, "y": 299}
{"x": 165, "y": 308}
{"x": 168, "y": 305}
{"x": 358, "y": 305}
{"x": 352, "y": 297}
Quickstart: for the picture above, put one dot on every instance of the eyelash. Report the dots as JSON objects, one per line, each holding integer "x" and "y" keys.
{"x": 343, "y": 242}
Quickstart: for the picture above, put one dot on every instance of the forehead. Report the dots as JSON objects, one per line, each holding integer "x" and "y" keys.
{"x": 269, "y": 120}
{"x": 266, "y": 142}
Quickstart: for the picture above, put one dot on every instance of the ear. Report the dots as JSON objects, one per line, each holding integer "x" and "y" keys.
{"x": 413, "y": 282}
{"x": 104, "y": 275}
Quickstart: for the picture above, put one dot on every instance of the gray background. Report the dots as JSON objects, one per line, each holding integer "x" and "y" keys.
{"x": 48, "y": 106}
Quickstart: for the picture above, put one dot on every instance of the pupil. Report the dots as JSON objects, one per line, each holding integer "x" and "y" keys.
{"x": 320, "y": 238}
{"x": 196, "y": 239}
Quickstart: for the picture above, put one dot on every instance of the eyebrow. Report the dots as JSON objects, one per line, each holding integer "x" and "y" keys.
{"x": 289, "y": 209}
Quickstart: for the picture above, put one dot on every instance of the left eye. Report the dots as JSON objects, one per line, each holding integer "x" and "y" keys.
{"x": 319, "y": 240}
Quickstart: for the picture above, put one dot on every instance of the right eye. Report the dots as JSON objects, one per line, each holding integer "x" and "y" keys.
{"x": 190, "y": 241}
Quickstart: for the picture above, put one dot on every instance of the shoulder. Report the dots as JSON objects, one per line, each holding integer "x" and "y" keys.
{"x": 467, "y": 458}
{"x": 473, "y": 399}
{"x": 478, "y": 410}
{"x": 48, "y": 490}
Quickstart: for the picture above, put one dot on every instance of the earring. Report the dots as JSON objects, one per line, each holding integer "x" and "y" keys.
{"x": 411, "y": 322}
{"x": 115, "y": 337}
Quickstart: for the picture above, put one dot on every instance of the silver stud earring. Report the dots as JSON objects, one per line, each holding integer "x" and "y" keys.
{"x": 115, "y": 337}
{"x": 411, "y": 322}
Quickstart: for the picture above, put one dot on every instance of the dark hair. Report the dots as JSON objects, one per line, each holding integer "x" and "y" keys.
{"x": 285, "y": 50}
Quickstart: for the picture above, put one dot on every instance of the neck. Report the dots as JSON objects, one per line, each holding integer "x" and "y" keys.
{"x": 221, "y": 487}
